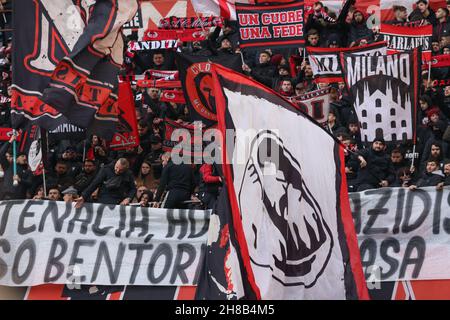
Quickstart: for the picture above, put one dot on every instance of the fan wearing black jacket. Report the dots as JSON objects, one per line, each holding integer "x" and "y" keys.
{"x": 375, "y": 169}
{"x": 116, "y": 183}
{"x": 178, "y": 181}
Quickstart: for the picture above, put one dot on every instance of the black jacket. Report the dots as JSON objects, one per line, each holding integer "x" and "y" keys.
{"x": 62, "y": 182}
{"x": 441, "y": 28}
{"x": 176, "y": 176}
{"x": 377, "y": 169}
{"x": 113, "y": 188}
{"x": 359, "y": 31}
{"x": 264, "y": 73}
{"x": 447, "y": 181}
{"x": 83, "y": 180}
{"x": 430, "y": 180}
{"x": 417, "y": 15}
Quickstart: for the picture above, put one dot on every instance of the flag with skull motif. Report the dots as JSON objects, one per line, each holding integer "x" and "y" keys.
{"x": 282, "y": 228}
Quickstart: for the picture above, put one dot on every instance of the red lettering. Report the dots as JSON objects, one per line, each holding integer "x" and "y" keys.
{"x": 288, "y": 31}
{"x": 247, "y": 19}
{"x": 255, "y": 33}
{"x": 282, "y": 17}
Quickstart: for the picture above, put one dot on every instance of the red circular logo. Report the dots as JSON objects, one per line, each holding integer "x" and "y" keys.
{"x": 200, "y": 89}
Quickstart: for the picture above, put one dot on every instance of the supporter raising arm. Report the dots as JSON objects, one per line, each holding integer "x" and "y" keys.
{"x": 23, "y": 174}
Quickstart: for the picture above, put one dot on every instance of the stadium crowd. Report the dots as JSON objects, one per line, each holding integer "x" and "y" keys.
{"x": 89, "y": 171}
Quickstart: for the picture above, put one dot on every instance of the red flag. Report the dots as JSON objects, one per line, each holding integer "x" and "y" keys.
{"x": 161, "y": 74}
{"x": 403, "y": 39}
{"x": 161, "y": 83}
{"x": 5, "y": 134}
{"x": 182, "y": 35}
{"x": 440, "y": 61}
{"x": 127, "y": 135}
{"x": 173, "y": 96}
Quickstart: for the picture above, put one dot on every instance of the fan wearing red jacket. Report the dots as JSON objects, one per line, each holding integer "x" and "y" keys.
{"x": 210, "y": 185}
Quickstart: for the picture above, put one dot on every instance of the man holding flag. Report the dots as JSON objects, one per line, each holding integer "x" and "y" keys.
{"x": 17, "y": 178}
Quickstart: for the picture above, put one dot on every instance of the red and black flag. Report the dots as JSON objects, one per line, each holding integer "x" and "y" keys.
{"x": 190, "y": 35}
{"x": 66, "y": 71}
{"x": 315, "y": 103}
{"x": 184, "y": 139}
{"x": 195, "y": 76}
{"x": 274, "y": 25}
{"x": 282, "y": 228}
{"x": 127, "y": 135}
{"x": 190, "y": 23}
{"x": 406, "y": 39}
{"x": 175, "y": 96}
{"x": 6, "y": 133}
{"x": 439, "y": 61}
{"x": 66, "y": 131}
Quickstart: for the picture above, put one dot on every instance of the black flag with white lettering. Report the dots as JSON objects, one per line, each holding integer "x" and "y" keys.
{"x": 384, "y": 90}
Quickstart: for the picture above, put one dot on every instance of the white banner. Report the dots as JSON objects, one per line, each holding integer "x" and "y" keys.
{"x": 403, "y": 234}
{"x": 51, "y": 242}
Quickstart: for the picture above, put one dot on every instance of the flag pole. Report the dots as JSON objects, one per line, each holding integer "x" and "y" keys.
{"x": 429, "y": 72}
{"x": 15, "y": 182}
{"x": 84, "y": 150}
{"x": 413, "y": 157}
{"x": 44, "y": 181}
{"x": 43, "y": 163}
{"x": 415, "y": 125}
{"x": 242, "y": 57}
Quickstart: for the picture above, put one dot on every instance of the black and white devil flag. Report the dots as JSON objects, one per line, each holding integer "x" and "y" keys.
{"x": 384, "y": 90}
{"x": 282, "y": 228}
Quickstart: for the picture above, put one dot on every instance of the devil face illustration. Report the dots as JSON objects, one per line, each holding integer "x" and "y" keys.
{"x": 282, "y": 221}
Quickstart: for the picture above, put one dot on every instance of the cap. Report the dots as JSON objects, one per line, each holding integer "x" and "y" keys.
{"x": 379, "y": 139}
{"x": 333, "y": 39}
{"x": 70, "y": 190}
{"x": 353, "y": 119}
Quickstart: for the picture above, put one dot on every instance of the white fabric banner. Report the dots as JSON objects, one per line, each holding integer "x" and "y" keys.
{"x": 403, "y": 234}
{"x": 51, "y": 242}
{"x": 304, "y": 202}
